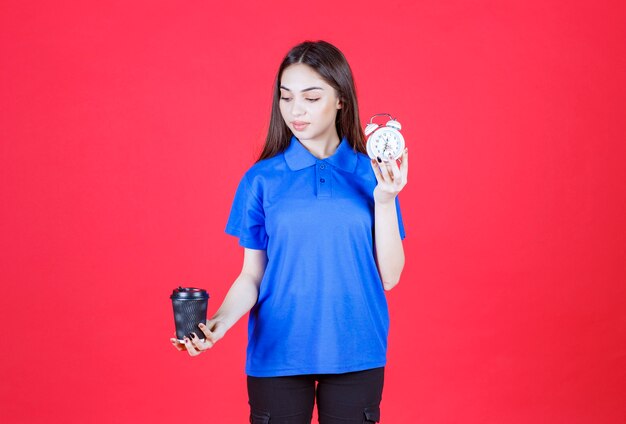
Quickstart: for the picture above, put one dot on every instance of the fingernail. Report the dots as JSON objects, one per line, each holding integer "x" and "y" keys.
{"x": 201, "y": 325}
{"x": 379, "y": 159}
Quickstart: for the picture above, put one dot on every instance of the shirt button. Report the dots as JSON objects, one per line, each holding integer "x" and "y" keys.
{"x": 322, "y": 180}
{"x": 322, "y": 166}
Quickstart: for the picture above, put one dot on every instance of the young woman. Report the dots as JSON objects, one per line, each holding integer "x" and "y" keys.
{"x": 322, "y": 233}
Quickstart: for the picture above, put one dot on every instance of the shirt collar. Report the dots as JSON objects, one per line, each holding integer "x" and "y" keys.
{"x": 298, "y": 157}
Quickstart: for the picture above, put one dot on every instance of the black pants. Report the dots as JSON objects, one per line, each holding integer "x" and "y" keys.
{"x": 349, "y": 398}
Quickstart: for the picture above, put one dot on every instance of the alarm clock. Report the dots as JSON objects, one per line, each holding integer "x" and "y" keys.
{"x": 385, "y": 141}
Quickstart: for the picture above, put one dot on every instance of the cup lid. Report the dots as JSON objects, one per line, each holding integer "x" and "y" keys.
{"x": 189, "y": 293}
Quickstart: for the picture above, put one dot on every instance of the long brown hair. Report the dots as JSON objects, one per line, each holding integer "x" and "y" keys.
{"x": 328, "y": 61}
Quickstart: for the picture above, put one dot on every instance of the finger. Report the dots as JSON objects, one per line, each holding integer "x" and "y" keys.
{"x": 190, "y": 347}
{"x": 379, "y": 176}
{"x": 218, "y": 331}
{"x": 208, "y": 334}
{"x": 384, "y": 170}
{"x": 201, "y": 344}
{"x": 178, "y": 345}
{"x": 206, "y": 329}
{"x": 404, "y": 166}
{"x": 395, "y": 172}
{"x": 195, "y": 340}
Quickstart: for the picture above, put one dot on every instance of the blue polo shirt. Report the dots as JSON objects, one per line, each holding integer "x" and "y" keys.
{"x": 321, "y": 305}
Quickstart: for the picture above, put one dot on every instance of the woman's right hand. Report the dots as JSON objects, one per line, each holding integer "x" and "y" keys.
{"x": 213, "y": 331}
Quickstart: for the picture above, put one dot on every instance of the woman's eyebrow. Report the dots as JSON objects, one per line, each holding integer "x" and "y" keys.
{"x": 306, "y": 89}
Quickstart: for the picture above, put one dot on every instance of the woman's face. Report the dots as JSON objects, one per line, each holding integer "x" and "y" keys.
{"x": 308, "y": 104}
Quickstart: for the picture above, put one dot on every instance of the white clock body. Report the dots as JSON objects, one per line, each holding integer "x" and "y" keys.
{"x": 386, "y": 141}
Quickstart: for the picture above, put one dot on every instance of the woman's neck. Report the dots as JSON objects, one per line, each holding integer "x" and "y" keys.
{"x": 322, "y": 149}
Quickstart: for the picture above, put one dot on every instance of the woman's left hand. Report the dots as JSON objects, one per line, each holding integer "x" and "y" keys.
{"x": 391, "y": 178}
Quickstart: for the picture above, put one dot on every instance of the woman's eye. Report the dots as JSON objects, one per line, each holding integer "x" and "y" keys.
{"x": 289, "y": 98}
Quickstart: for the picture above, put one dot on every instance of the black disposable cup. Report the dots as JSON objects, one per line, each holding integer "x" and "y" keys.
{"x": 190, "y": 309}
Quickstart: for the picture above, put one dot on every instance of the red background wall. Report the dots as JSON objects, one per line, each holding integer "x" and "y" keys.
{"x": 125, "y": 127}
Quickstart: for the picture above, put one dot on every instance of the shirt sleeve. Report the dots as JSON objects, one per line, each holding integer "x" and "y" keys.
{"x": 399, "y": 214}
{"x": 247, "y": 217}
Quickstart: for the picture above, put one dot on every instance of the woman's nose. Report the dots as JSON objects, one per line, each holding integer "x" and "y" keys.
{"x": 297, "y": 109}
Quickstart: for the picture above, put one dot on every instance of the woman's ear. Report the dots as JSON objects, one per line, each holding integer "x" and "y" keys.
{"x": 339, "y": 104}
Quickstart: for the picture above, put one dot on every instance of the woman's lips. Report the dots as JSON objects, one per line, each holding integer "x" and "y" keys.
{"x": 299, "y": 126}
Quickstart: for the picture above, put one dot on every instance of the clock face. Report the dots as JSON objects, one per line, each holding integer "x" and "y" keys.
{"x": 386, "y": 143}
